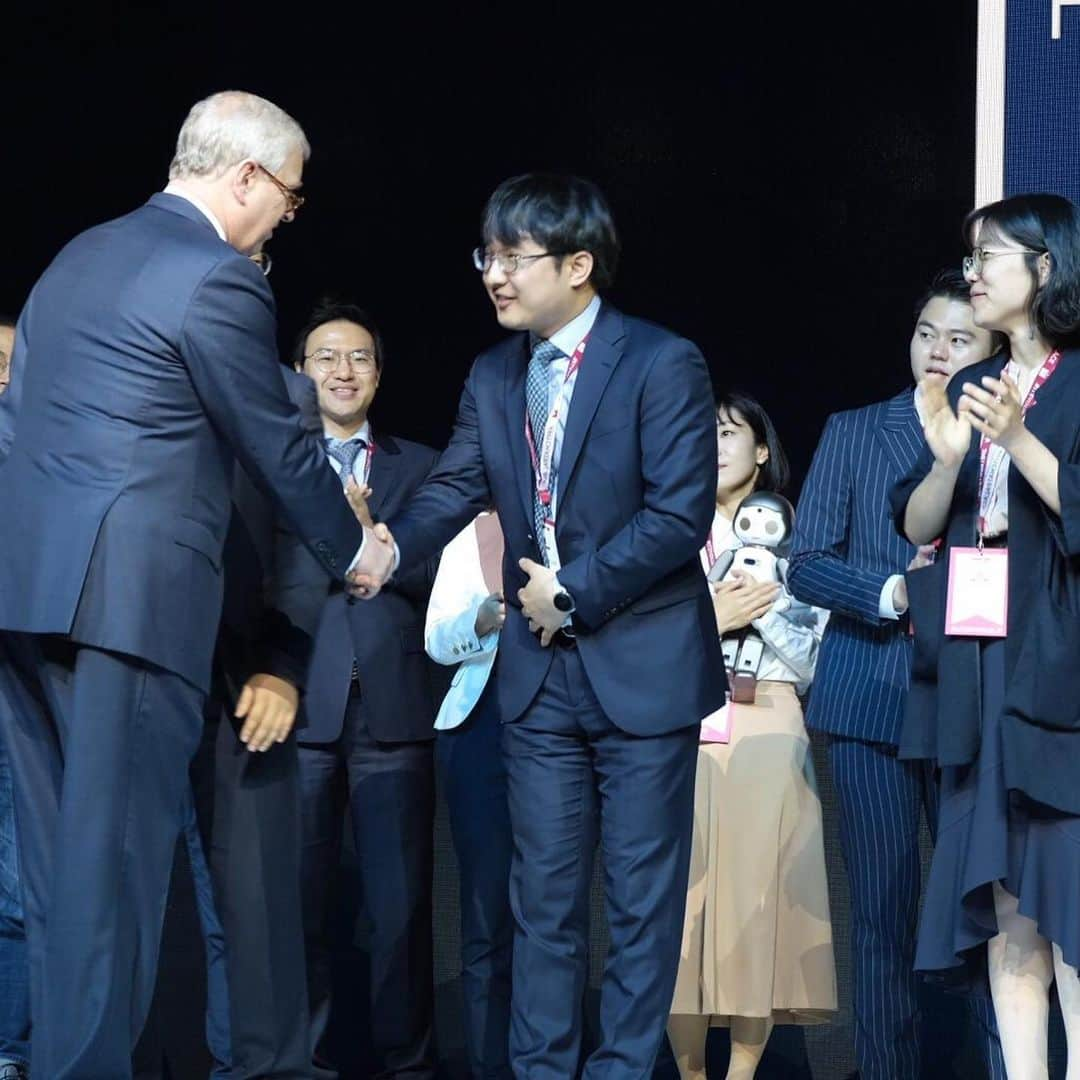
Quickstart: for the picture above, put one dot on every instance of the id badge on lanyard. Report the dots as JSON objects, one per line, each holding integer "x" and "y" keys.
{"x": 977, "y": 598}
{"x": 543, "y": 462}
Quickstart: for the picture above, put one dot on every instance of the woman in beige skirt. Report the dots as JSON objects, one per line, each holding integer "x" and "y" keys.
{"x": 757, "y": 945}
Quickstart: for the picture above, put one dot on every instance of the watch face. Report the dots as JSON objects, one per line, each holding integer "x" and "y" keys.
{"x": 563, "y": 602}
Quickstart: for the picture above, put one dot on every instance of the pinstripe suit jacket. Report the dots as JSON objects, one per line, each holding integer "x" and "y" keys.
{"x": 845, "y": 547}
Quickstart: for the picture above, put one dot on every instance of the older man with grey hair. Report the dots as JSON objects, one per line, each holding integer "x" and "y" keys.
{"x": 145, "y": 368}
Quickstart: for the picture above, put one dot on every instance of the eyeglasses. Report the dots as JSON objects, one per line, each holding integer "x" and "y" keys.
{"x": 484, "y": 260}
{"x": 327, "y": 360}
{"x": 973, "y": 264}
{"x": 293, "y": 200}
{"x": 263, "y": 261}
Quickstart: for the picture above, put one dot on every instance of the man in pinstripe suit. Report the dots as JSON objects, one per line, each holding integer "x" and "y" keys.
{"x": 848, "y": 557}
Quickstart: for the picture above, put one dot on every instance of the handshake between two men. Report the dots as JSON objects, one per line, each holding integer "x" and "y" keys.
{"x": 379, "y": 556}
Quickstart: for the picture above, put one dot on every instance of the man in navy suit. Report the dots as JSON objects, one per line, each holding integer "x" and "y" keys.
{"x": 366, "y": 728}
{"x": 847, "y": 557}
{"x": 593, "y": 436}
{"x": 145, "y": 363}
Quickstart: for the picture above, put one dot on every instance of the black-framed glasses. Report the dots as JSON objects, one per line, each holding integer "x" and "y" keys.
{"x": 293, "y": 199}
{"x": 974, "y": 262}
{"x": 484, "y": 260}
{"x": 362, "y": 361}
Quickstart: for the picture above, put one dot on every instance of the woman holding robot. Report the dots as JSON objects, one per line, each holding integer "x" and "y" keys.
{"x": 757, "y": 944}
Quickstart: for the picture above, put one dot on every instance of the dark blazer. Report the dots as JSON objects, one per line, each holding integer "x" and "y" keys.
{"x": 1041, "y": 717}
{"x": 637, "y": 487}
{"x": 843, "y": 551}
{"x": 385, "y": 634}
{"x": 120, "y": 430}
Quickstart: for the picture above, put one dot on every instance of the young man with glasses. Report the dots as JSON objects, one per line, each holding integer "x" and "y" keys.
{"x": 592, "y": 434}
{"x": 847, "y": 557}
{"x": 366, "y": 729}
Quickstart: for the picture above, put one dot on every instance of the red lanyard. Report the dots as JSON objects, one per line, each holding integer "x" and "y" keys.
{"x": 990, "y": 469}
{"x": 542, "y": 463}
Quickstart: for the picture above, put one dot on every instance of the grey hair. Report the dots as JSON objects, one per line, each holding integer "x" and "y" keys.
{"x": 233, "y": 126}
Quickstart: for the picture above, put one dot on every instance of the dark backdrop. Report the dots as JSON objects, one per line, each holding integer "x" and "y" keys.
{"x": 785, "y": 181}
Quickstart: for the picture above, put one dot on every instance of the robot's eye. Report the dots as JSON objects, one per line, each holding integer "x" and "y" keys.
{"x": 744, "y": 523}
{"x": 771, "y": 527}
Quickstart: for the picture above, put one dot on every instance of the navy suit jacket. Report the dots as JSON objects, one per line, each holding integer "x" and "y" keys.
{"x": 384, "y": 634}
{"x": 636, "y": 491}
{"x": 145, "y": 364}
{"x": 845, "y": 547}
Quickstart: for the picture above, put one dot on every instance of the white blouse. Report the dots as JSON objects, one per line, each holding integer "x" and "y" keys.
{"x": 791, "y": 630}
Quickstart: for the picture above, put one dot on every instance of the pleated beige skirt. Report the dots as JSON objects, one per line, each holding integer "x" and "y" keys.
{"x": 758, "y": 938}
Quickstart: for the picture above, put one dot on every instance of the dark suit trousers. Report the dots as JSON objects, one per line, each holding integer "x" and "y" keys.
{"x": 575, "y": 778}
{"x": 389, "y": 789}
{"x": 100, "y": 745}
{"x": 249, "y": 814}
{"x": 880, "y": 799}
{"x": 474, "y": 782}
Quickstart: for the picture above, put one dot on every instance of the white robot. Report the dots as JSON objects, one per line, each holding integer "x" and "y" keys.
{"x": 763, "y": 525}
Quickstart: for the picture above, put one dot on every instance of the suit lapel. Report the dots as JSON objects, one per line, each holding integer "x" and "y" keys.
{"x": 899, "y": 431}
{"x": 517, "y": 361}
{"x": 601, "y": 355}
{"x": 384, "y": 469}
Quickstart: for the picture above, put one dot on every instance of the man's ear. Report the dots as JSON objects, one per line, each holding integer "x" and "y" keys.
{"x": 581, "y": 267}
{"x": 247, "y": 172}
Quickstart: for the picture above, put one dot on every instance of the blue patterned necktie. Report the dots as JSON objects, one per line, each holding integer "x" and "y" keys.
{"x": 345, "y": 453}
{"x": 537, "y": 381}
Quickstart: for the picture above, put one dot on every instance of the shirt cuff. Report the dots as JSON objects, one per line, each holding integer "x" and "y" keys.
{"x": 356, "y": 559}
{"x": 886, "y": 608}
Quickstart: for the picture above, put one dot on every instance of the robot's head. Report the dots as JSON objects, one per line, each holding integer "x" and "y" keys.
{"x": 765, "y": 518}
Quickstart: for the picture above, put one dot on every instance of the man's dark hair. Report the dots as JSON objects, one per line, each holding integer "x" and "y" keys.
{"x": 561, "y": 213}
{"x": 330, "y": 309}
{"x": 1044, "y": 223}
{"x": 775, "y": 473}
{"x": 951, "y": 284}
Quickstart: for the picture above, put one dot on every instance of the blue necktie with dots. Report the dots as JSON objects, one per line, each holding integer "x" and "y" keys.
{"x": 537, "y": 382}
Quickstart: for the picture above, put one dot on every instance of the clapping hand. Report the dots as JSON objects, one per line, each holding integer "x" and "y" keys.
{"x": 358, "y": 496}
{"x": 995, "y": 410}
{"x": 948, "y": 434}
{"x": 375, "y": 565}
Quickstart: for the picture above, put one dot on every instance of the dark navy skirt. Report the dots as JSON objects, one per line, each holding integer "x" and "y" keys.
{"x": 987, "y": 834}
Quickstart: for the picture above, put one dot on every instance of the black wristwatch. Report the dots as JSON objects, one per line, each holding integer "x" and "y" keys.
{"x": 563, "y": 602}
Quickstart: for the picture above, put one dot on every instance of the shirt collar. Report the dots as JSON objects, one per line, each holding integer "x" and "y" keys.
{"x": 174, "y": 189}
{"x": 363, "y": 432}
{"x": 920, "y": 408}
{"x": 573, "y": 333}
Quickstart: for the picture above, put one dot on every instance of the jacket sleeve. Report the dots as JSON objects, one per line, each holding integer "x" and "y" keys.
{"x": 450, "y": 627}
{"x": 678, "y": 467}
{"x": 821, "y": 573}
{"x": 794, "y": 634}
{"x": 229, "y": 345}
{"x": 455, "y": 491}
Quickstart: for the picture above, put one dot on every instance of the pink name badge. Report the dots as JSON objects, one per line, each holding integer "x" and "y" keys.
{"x": 977, "y": 603}
{"x": 716, "y": 727}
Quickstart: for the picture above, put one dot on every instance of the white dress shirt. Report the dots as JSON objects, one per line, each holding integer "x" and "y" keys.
{"x": 791, "y": 630}
{"x": 450, "y": 627}
{"x": 174, "y": 189}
